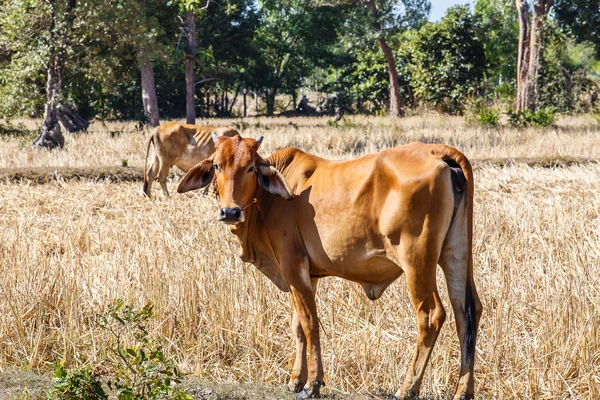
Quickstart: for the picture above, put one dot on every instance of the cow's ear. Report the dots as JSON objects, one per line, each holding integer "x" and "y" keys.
{"x": 270, "y": 179}
{"x": 197, "y": 177}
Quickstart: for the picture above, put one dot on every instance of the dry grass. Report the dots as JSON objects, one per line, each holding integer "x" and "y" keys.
{"x": 68, "y": 248}
{"x": 111, "y": 144}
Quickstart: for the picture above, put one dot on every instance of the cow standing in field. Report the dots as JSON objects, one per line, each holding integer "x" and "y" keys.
{"x": 182, "y": 145}
{"x": 300, "y": 218}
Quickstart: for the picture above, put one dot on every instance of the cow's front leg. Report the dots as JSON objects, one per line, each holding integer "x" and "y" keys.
{"x": 305, "y": 307}
{"x": 300, "y": 371}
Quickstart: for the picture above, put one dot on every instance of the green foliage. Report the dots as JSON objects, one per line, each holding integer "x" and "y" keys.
{"x": 76, "y": 384}
{"x": 580, "y": 18}
{"x": 482, "y": 112}
{"x": 447, "y": 60}
{"x": 138, "y": 370}
{"x": 499, "y": 22}
{"x": 488, "y": 116}
{"x": 538, "y": 119}
{"x": 292, "y": 39}
{"x": 566, "y": 73}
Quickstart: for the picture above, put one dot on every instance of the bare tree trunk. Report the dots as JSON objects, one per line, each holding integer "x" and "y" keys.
{"x": 270, "y": 97}
{"x": 530, "y": 49}
{"x": 51, "y": 134}
{"x": 237, "y": 92}
{"x": 149, "y": 99}
{"x": 396, "y": 106}
{"x": 190, "y": 109}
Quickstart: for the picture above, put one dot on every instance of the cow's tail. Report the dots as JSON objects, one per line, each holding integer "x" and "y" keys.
{"x": 146, "y": 183}
{"x": 462, "y": 180}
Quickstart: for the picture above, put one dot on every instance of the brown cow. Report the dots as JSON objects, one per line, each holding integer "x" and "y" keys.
{"x": 403, "y": 210}
{"x": 182, "y": 145}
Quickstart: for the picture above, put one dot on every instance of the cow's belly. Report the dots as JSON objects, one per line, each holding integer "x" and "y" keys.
{"x": 362, "y": 257}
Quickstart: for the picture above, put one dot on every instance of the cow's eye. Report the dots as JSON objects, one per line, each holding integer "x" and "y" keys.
{"x": 216, "y": 167}
{"x": 252, "y": 169}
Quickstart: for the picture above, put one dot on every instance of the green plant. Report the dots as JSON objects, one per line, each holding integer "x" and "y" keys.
{"x": 139, "y": 369}
{"x": 488, "y": 116}
{"x": 539, "y": 119}
{"x": 143, "y": 370}
{"x": 76, "y": 384}
{"x": 478, "y": 110}
{"x": 124, "y": 162}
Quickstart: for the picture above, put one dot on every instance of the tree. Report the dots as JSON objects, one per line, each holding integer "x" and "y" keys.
{"x": 392, "y": 16}
{"x": 499, "y": 21}
{"x": 149, "y": 37}
{"x": 108, "y": 45}
{"x": 60, "y": 24}
{"x": 581, "y": 18}
{"x": 446, "y": 60}
{"x": 192, "y": 9}
{"x": 530, "y": 49}
{"x": 291, "y": 39}
{"x": 227, "y": 59}
{"x": 190, "y": 61}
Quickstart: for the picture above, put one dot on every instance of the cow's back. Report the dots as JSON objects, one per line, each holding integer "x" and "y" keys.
{"x": 369, "y": 202}
{"x": 204, "y": 146}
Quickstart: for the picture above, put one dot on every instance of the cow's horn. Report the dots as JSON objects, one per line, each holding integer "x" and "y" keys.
{"x": 259, "y": 141}
{"x": 215, "y": 137}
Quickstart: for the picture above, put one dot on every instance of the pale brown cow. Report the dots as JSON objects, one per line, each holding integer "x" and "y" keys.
{"x": 403, "y": 210}
{"x": 180, "y": 145}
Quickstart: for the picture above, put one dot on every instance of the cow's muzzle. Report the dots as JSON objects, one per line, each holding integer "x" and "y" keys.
{"x": 231, "y": 215}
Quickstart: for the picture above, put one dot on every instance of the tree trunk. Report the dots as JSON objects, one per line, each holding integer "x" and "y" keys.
{"x": 51, "y": 134}
{"x": 530, "y": 49}
{"x": 396, "y": 107}
{"x": 294, "y": 100}
{"x": 234, "y": 100}
{"x": 245, "y": 113}
{"x": 149, "y": 93}
{"x": 271, "y": 101}
{"x": 190, "y": 108}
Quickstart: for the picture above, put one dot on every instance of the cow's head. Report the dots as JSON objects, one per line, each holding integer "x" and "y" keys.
{"x": 236, "y": 169}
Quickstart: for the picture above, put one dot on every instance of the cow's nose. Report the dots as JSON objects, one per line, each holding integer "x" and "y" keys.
{"x": 230, "y": 215}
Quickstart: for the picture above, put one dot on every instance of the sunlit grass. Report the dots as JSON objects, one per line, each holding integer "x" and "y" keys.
{"x": 67, "y": 249}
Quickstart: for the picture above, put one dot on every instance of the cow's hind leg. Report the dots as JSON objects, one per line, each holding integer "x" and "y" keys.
{"x": 420, "y": 278}
{"x": 467, "y": 311}
{"x": 163, "y": 174}
{"x": 150, "y": 175}
{"x": 300, "y": 370}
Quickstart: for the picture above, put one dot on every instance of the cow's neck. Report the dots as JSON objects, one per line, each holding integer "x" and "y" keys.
{"x": 252, "y": 233}
{"x": 255, "y": 242}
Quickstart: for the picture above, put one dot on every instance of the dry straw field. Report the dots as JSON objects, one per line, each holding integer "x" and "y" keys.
{"x": 69, "y": 247}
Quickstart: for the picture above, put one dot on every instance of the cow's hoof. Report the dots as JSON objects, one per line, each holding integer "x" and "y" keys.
{"x": 313, "y": 393}
{"x": 295, "y": 386}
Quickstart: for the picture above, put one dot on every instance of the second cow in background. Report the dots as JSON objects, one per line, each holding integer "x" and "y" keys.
{"x": 180, "y": 145}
